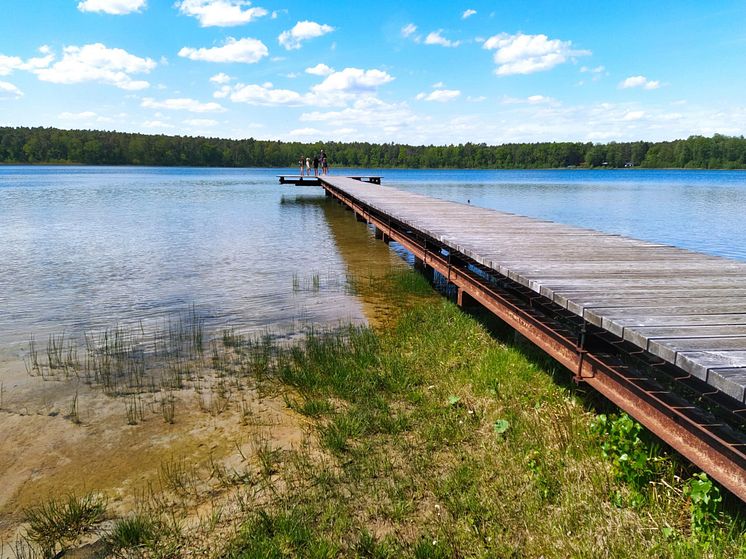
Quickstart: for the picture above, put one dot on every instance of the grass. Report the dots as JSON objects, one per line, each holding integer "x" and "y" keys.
{"x": 131, "y": 533}
{"x": 447, "y": 442}
{"x": 57, "y": 524}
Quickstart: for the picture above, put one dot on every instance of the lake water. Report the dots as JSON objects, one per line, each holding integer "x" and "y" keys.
{"x": 84, "y": 248}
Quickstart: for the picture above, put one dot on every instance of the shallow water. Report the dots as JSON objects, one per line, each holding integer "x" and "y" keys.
{"x": 86, "y": 248}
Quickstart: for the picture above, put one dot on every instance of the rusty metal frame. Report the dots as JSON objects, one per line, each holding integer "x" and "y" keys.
{"x": 680, "y": 426}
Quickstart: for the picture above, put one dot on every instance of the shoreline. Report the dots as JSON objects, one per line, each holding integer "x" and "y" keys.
{"x": 399, "y": 438}
{"x": 578, "y": 168}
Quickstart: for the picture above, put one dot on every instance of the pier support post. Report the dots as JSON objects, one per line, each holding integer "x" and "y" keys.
{"x": 378, "y": 233}
{"x": 360, "y": 218}
{"x": 327, "y": 193}
{"x": 466, "y": 301}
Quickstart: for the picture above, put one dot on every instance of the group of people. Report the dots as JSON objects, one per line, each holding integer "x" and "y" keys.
{"x": 319, "y": 160}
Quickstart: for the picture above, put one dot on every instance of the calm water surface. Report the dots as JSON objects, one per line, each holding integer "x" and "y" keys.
{"x": 86, "y": 248}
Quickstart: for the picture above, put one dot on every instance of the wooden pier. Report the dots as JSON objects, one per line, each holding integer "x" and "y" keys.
{"x": 659, "y": 330}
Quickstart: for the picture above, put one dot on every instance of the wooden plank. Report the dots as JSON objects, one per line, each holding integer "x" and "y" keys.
{"x": 731, "y": 381}
{"x": 679, "y": 320}
{"x": 608, "y": 318}
{"x": 597, "y": 307}
{"x": 642, "y": 336}
{"x": 699, "y": 363}
{"x": 668, "y": 348}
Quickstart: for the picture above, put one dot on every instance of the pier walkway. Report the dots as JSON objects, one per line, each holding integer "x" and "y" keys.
{"x": 646, "y": 324}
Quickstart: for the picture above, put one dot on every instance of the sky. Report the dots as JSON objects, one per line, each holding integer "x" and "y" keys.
{"x": 436, "y": 72}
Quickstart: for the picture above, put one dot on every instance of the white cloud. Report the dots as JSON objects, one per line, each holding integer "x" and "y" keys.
{"x": 468, "y": 13}
{"x": 220, "y": 13}
{"x": 9, "y": 63}
{"x": 476, "y": 99}
{"x": 201, "y": 122}
{"x": 525, "y": 54}
{"x": 639, "y": 81}
{"x": 408, "y": 29}
{"x": 304, "y": 132}
{"x": 182, "y": 104}
{"x": 634, "y": 115}
{"x": 353, "y": 80}
{"x": 596, "y": 70}
{"x": 157, "y": 124}
{"x": 221, "y": 78}
{"x": 302, "y": 31}
{"x": 265, "y": 94}
{"x": 439, "y": 95}
{"x": 435, "y": 38}
{"x": 338, "y": 88}
{"x": 246, "y": 50}
{"x": 89, "y": 116}
{"x": 320, "y": 70}
{"x": 97, "y": 63}
{"x": 367, "y": 112}
{"x": 530, "y": 100}
{"x": 84, "y": 115}
{"x": 9, "y": 91}
{"x": 536, "y": 99}
{"x": 113, "y": 7}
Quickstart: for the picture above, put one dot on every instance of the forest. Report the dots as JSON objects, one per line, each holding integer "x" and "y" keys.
{"x": 22, "y": 145}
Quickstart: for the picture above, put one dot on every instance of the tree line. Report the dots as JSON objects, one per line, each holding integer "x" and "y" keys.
{"x": 22, "y": 145}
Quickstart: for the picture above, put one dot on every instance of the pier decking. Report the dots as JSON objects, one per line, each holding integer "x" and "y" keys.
{"x": 684, "y": 307}
{"x": 679, "y": 309}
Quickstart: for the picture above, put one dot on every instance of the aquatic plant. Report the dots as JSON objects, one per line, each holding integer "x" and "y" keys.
{"x": 57, "y": 523}
{"x": 129, "y": 534}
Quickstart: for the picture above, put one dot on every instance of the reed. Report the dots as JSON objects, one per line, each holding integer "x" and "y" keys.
{"x": 134, "y": 409}
{"x": 74, "y": 414}
{"x": 168, "y": 406}
{"x": 57, "y": 523}
{"x": 32, "y": 359}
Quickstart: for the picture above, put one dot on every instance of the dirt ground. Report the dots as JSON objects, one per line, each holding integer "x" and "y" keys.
{"x": 44, "y": 453}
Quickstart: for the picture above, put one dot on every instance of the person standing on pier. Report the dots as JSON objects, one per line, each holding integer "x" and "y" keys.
{"x": 315, "y": 165}
{"x": 308, "y": 166}
{"x": 301, "y": 164}
{"x": 324, "y": 164}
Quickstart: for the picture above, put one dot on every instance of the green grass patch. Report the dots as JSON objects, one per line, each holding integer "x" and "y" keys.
{"x": 443, "y": 441}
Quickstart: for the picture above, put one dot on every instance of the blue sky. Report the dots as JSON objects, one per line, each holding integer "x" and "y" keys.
{"x": 417, "y": 72}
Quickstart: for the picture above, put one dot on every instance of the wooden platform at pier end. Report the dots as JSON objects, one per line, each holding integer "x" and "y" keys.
{"x": 687, "y": 308}
{"x": 308, "y": 180}
{"x": 299, "y": 180}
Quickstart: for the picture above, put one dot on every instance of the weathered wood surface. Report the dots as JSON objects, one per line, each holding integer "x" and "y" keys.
{"x": 687, "y": 308}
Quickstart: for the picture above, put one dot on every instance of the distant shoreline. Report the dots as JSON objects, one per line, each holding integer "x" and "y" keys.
{"x": 53, "y": 146}
{"x": 133, "y": 166}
